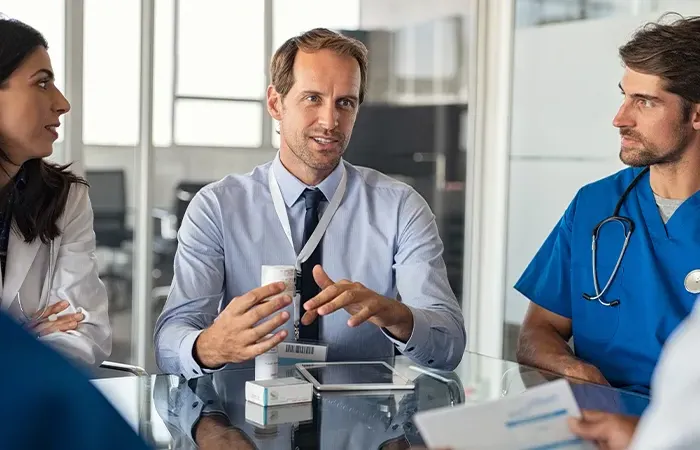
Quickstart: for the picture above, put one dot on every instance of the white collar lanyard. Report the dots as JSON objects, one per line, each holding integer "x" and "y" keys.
{"x": 315, "y": 237}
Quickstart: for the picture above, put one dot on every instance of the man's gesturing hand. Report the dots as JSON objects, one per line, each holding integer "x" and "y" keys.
{"x": 234, "y": 336}
{"x": 361, "y": 303}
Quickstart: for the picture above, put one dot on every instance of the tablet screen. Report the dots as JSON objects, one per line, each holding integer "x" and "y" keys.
{"x": 352, "y": 374}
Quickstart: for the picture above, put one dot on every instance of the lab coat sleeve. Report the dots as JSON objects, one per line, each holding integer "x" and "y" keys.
{"x": 547, "y": 279}
{"x": 76, "y": 279}
{"x": 197, "y": 287}
{"x": 671, "y": 420}
{"x": 438, "y": 339}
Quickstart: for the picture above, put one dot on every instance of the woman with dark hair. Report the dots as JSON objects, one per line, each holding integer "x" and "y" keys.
{"x": 48, "y": 270}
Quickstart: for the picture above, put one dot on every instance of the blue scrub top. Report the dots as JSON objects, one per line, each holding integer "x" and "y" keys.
{"x": 48, "y": 403}
{"x": 625, "y": 341}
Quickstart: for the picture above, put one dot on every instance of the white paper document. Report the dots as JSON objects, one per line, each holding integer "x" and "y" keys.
{"x": 533, "y": 420}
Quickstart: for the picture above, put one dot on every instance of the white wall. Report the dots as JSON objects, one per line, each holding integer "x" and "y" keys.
{"x": 564, "y": 98}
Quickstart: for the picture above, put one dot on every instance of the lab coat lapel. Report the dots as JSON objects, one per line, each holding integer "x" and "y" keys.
{"x": 20, "y": 257}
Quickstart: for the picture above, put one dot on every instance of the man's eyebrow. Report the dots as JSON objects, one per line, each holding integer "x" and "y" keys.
{"x": 641, "y": 96}
{"x": 352, "y": 97}
{"x": 309, "y": 92}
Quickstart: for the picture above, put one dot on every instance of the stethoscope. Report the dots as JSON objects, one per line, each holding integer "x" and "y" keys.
{"x": 47, "y": 289}
{"x": 691, "y": 282}
{"x": 628, "y": 227}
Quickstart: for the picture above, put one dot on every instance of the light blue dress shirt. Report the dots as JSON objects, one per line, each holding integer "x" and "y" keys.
{"x": 383, "y": 236}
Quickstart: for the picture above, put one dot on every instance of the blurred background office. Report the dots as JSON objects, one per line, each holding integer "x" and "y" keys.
{"x": 496, "y": 111}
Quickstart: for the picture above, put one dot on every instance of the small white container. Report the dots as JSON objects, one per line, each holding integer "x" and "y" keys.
{"x": 274, "y": 274}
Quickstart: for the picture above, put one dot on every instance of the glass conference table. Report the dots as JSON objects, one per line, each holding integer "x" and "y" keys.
{"x": 211, "y": 412}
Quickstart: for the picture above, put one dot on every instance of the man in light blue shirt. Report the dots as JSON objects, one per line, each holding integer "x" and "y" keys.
{"x": 375, "y": 282}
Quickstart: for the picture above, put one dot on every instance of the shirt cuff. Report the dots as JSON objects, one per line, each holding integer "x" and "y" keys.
{"x": 190, "y": 367}
{"x": 419, "y": 335}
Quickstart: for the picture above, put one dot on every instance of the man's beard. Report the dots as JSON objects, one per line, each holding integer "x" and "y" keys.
{"x": 302, "y": 150}
{"x": 649, "y": 154}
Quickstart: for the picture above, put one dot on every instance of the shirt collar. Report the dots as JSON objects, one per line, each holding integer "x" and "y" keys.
{"x": 292, "y": 187}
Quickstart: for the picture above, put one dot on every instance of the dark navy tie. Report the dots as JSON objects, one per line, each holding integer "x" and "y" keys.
{"x": 309, "y": 288}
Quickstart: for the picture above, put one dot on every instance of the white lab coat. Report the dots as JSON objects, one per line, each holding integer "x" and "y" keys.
{"x": 672, "y": 420}
{"x": 75, "y": 279}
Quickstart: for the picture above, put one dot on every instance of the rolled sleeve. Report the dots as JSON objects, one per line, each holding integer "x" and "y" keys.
{"x": 197, "y": 287}
{"x": 438, "y": 338}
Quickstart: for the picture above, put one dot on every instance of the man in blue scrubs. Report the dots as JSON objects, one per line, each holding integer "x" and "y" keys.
{"x": 620, "y": 325}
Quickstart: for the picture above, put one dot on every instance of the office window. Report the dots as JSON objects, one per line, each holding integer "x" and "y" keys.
{"x": 111, "y": 72}
{"x": 48, "y": 17}
{"x": 220, "y": 49}
{"x": 429, "y": 50}
{"x": 218, "y": 123}
{"x": 290, "y": 18}
{"x": 219, "y": 73}
{"x": 163, "y": 72}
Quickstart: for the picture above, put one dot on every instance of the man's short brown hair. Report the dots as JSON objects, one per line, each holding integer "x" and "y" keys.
{"x": 671, "y": 51}
{"x": 282, "y": 64}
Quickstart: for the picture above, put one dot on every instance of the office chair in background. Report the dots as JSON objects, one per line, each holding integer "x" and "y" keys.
{"x": 108, "y": 198}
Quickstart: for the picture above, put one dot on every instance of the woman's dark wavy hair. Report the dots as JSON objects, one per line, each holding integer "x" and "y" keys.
{"x": 37, "y": 207}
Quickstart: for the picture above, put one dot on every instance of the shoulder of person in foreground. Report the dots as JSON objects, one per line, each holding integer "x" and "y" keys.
{"x": 50, "y": 404}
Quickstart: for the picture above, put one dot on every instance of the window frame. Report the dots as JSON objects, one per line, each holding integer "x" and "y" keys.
{"x": 266, "y": 129}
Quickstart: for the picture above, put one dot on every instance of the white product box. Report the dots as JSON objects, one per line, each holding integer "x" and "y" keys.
{"x": 280, "y": 391}
{"x": 276, "y": 415}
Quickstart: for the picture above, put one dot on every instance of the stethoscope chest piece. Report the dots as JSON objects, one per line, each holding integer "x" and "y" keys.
{"x": 692, "y": 281}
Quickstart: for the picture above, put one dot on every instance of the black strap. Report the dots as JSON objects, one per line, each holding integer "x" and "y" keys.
{"x": 631, "y": 186}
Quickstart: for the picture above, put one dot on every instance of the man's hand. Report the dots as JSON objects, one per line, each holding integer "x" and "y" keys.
{"x": 608, "y": 431}
{"x": 585, "y": 372}
{"x": 234, "y": 336}
{"x": 361, "y": 303}
{"x": 49, "y": 322}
